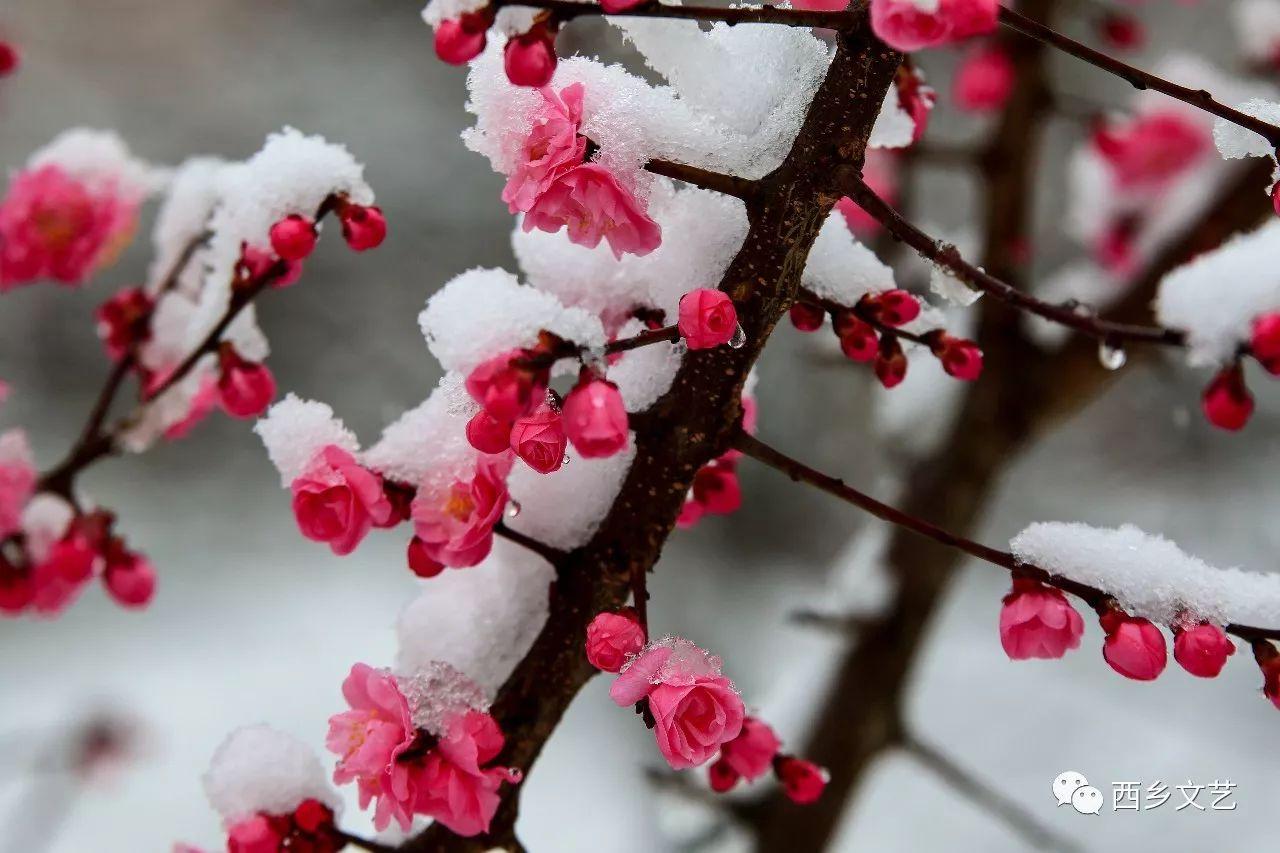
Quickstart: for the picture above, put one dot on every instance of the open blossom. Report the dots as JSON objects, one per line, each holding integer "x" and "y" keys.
{"x": 695, "y": 709}
{"x": 1134, "y": 647}
{"x": 707, "y": 318}
{"x": 590, "y": 202}
{"x": 337, "y": 500}
{"x": 909, "y": 25}
{"x": 1037, "y": 621}
{"x": 17, "y": 479}
{"x": 453, "y": 786}
{"x": 552, "y": 148}
{"x": 538, "y": 438}
{"x": 456, "y": 524}
{"x": 55, "y": 226}
{"x": 595, "y": 419}
{"x": 369, "y": 738}
{"x": 612, "y": 638}
{"x": 1152, "y": 149}
{"x": 1202, "y": 649}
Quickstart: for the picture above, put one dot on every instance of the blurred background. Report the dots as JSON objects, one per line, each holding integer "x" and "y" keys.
{"x": 252, "y": 623}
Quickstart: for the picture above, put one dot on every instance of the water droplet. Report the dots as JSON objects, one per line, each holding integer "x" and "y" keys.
{"x": 513, "y": 508}
{"x": 739, "y": 337}
{"x": 595, "y": 360}
{"x": 565, "y": 460}
{"x": 1111, "y": 356}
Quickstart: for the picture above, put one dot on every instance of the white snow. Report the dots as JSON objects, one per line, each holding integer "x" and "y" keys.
{"x": 1217, "y": 295}
{"x": 260, "y": 769}
{"x": 485, "y": 312}
{"x": 1235, "y": 142}
{"x": 101, "y": 160}
{"x": 480, "y": 620}
{"x": 1257, "y": 27}
{"x": 841, "y": 269}
{"x": 1149, "y": 575}
{"x": 428, "y": 444}
{"x": 295, "y": 430}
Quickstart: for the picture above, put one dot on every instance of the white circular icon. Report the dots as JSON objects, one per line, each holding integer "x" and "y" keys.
{"x": 1066, "y": 784}
{"x": 1087, "y": 800}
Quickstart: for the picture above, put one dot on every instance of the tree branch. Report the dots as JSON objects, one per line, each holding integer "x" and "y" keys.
{"x": 743, "y": 188}
{"x": 1136, "y": 77}
{"x": 799, "y": 472}
{"x": 567, "y": 10}
{"x": 364, "y": 843}
{"x": 986, "y": 797}
{"x": 554, "y": 556}
{"x": 948, "y": 256}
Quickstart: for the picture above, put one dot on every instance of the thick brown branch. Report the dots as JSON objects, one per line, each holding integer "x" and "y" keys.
{"x": 949, "y": 256}
{"x": 1136, "y": 77}
{"x": 800, "y": 472}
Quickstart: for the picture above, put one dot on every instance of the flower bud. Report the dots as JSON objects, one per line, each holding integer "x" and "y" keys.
{"x": 595, "y": 419}
{"x": 1226, "y": 401}
{"x": 722, "y": 777}
{"x": 9, "y": 58}
{"x": 891, "y": 363}
{"x": 293, "y": 238}
{"x": 505, "y": 388}
{"x": 893, "y": 307}
{"x": 458, "y": 41}
{"x": 1202, "y": 649}
{"x": 1265, "y": 341}
{"x": 530, "y": 59}
{"x": 960, "y": 358}
{"x": 807, "y": 317}
{"x": 538, "y": 438}
{"x": 124, "y": 321}
{"x": 363, "y": 227}
{"x": 245, "y": 388}
{"x": 488, "y": 434}
{"x": 613, "y": 638}
{"x": 707, "y": 318}
{"x": 1037, "y": 621}
{"x": 802, "y": 780}
{"x": 1134, "y": 647}
{"x": 131, "y": 580}
{"x": 858, "y": 340}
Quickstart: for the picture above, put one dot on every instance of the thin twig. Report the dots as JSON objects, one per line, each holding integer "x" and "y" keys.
{"x": 552, "y": 555}
{"x": 949, "y": 256}
{"x": 799, "y": 472}
{"x": 743, "y": 188}
{"x": 567, "y": 10}
{"x": 986, "y": 797}
{"x": 1136, "y": 77}
{"x": 866, "y": 316}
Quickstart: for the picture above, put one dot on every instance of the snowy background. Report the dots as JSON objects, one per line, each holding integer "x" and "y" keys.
{"x": 252, "y": 623}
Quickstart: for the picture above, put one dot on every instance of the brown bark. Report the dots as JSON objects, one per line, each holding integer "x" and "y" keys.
{"x": 693, "y": 423}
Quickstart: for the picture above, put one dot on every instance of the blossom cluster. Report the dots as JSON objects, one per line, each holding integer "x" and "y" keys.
{"x": 224, "y": 232}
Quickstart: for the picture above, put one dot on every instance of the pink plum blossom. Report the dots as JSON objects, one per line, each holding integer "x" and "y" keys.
{"x": 55, "y": 226}
{"x": 1037, "y": 621}
{"x": 455, "y": 524}
{"x": 595, "y": 419}
{"x": 453, "y": 787}
{"x": 1152, "y": 149}
{"x": 505, "y": 388}
{"x": 1134, "y": 647}
{"x": 612, "y": 638}
{"x": 590, "y": 202}
{"x": 1202, "y": 649}
{"x": 910, "y": 25}
{"x": 538, "y": 438}
{"x": 552, "y": 147}
{"x": 17, "y": 479}
{"x": 707, "y": 318}
{"x": 369, "y": 738}
{"x": 984, "y": 80}
{"x": 337, "y": 500}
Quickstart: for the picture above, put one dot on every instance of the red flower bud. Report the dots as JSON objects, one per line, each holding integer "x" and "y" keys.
{"x": 530, "y": 59}
{"x": 293, "y": 238}
{"x": 960, "y": 358}
{"x": 124, "y": 321}
{"x": 893, "y": 307}
{"x": 245, "y": 388}
{"x": 420, "y": 562}
{"x": 1226, "y": 402}
{"x": 891, "y": 363}
{"x": 803, "y": 780}
{"x": 807, "y": 317}
{"x": 362, "y": 227}
{"x": 460, "y": 41}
